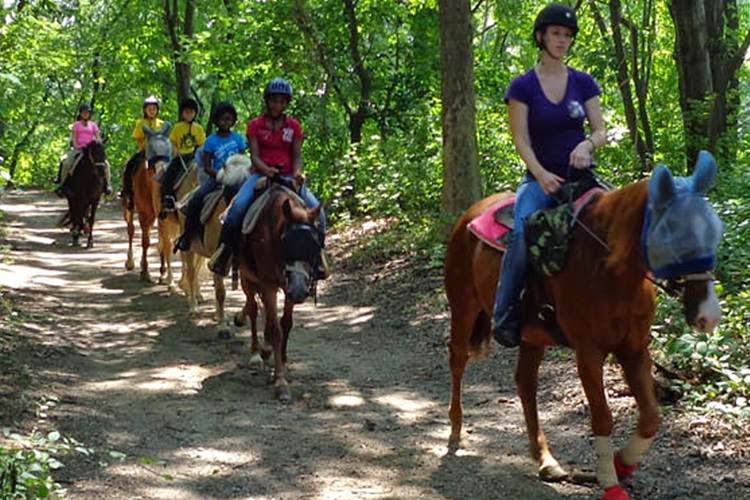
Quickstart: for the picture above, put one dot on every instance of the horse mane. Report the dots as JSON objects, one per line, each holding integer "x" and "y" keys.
{"x": 620, "y": 215}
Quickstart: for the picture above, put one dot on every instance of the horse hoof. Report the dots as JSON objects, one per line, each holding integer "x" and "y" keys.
{"x": 256, "y": 362}
{"x": 145, "y": 277}
{"x": 615, "y": 492}
{"x": 552, "y": 472}
{"x": 224, "y": 334}
{"x": 239, "y": 319}
{"x": 621, "y": 468}
{"x": 454, "y": 443}
{"x": 129, "y": 266}
{"x": 283, "y": 394}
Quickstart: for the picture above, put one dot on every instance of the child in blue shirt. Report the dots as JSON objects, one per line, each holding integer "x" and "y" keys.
{"x": 218, "y": 147}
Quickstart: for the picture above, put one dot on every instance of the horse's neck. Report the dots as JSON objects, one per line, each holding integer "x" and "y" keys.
{"x": 618, "y": 215}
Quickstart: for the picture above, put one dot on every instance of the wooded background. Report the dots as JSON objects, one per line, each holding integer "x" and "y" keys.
{"x": 369, "y": 90}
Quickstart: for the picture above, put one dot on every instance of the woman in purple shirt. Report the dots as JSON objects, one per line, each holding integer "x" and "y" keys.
{"x": 547, "y": 107}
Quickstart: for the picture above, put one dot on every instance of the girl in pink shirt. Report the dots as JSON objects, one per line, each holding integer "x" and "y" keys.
{"x": 83, "y": 132}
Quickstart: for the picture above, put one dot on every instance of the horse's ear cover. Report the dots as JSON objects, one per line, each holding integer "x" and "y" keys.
{"x": 661, "y": 188}
{"x": 681, "y": 230}
{"x": 704, "y": 174}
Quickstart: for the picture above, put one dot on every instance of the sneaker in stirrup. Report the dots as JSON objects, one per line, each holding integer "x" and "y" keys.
{"x": 219, "y": 263}
{"x": 168, "y": 203}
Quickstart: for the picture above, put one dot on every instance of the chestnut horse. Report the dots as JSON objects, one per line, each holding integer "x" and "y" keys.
{"x": 85, "y": 187}
{"x": 278, "y": 255}
{"x": 604, "y": 303}
{"x": 147, "y": 198}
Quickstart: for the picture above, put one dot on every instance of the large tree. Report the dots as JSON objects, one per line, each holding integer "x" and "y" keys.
{"x": 461, "y": 180}
{"x": 709, "y": 51}
{"x": 180, "y": 33}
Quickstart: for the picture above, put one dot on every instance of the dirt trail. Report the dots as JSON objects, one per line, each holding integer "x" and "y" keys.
{"x": 134, "y": 374}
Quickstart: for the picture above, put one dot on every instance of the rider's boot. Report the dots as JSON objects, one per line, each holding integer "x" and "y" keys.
{"x": 507, "y": 330}
{"x": 220, "y": 260}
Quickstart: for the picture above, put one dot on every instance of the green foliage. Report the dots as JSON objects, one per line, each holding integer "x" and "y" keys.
{"x": 58, "y": 54}
{"x": 27, "y": 463}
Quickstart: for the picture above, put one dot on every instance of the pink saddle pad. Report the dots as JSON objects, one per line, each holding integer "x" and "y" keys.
{"x": 492, "y": 232}
{"x": 487, "y": 229}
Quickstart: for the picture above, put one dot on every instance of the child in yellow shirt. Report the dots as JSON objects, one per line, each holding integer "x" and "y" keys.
{"x": 186, "y": 137}
{"x": 150, "y": 110}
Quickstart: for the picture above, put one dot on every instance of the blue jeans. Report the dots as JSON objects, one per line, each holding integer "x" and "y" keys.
{"x": 530, "y": 197}
{"x": 244, "y": 198}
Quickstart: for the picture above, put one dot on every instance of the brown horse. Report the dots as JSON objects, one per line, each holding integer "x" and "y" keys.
{"x": 278, "y": 255}
{"x": 147, "y": 200}
{"x": 84, "y": 189}
{"x": 603, "y": 302}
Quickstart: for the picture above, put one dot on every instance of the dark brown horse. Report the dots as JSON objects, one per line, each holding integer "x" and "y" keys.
{"x": 603, "y": 302}
{"x": 278, "y": 255}
{"x": 84, "y": 189}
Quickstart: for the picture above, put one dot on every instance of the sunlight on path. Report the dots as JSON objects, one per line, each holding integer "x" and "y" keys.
{"x": 189, "y": 419}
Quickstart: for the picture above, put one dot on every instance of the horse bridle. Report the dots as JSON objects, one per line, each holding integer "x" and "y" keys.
{"x": 103, "y": 164}
{"x": 673, "y": 287}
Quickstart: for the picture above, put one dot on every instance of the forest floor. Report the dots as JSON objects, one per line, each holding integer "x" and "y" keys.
{"x": 167, "y": 409}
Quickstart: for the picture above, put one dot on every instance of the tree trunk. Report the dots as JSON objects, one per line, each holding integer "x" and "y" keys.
{"x": 623, "y": 82}
{"x": 708, "y": 57}
{"x": 461, "y": 178}
{"x": 17, "y": 150}
{"x": 172, "y": 21}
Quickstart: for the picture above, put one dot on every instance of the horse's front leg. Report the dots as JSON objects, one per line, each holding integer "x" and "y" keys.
{"x": 273, "y": 331}
{"x": 92, "y": 216}
{"x": 128, "y": 216}
{"x": 165, "y": 254}
{"x": 637, "y": 369}
{"x": 527, "y": 377}
{"x": 286, "y": 326}
{"x": 220, "y": 295}
{"x": 590, "y": 371}
{"x": 258, "y": 353}
{"x": 145, "y": 223}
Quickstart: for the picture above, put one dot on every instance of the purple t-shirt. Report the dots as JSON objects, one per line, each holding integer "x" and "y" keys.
{"x": 555, "y": 129}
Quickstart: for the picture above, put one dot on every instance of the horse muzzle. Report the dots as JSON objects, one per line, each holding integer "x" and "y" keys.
{"x": 699, "y": 301}
{"x": 297, "y": 282}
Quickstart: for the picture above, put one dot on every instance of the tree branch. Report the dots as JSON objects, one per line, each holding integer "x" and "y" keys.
{"x": 303, "y": 21}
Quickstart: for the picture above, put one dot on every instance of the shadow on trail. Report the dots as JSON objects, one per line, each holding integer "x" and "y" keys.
{"x": 370, "y": 389}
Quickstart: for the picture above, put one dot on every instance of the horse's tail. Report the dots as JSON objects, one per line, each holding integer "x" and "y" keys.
{"x": 480, "y": 336}
{"x": 64, "y": 220}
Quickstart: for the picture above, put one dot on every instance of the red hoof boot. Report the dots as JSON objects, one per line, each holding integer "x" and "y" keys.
{"x": 615, "y": 492}
{"x": 623, "y": 470}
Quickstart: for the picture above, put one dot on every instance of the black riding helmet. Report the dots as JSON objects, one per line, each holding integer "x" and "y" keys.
{"x": 188, "y": 103}
{"x": 555, "y": 14}
{"x": 83, "y": 107}
{"x": 220, "y": 109}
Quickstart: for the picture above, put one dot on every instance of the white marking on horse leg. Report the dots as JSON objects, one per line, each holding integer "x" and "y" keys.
{"x": 634, "y": 450}
{"x": 605, "y": 465}
{"x": 709, "y": 311}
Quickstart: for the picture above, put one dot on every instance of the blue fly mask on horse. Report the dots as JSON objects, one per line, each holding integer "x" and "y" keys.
{"x": 158, "y": 145}
{"x": 681, "y": 231}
